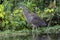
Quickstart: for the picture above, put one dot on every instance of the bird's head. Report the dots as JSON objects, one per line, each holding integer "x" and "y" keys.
{"x": 22, "y": 6}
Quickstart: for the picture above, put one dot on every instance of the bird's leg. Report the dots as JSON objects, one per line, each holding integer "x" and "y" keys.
{"x": 36, "y": 29}
{"x": 33, "y": 32}
{"x": 37, "y": 37}
{"x": 33, "y": 28}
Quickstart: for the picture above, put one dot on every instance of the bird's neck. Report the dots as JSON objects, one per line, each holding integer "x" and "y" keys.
{"x": 25, "y": 12}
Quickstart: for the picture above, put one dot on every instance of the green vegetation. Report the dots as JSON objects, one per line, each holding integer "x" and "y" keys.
{"x": 11, "y": 17}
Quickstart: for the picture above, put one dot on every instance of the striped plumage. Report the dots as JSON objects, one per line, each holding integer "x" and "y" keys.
{"x": 32, "y": 17}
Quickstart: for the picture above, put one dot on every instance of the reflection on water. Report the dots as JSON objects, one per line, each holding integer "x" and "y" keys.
{"x": 29, "y": 37}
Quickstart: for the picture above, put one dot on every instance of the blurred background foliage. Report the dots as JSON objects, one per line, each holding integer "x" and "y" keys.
{"x": 11, "y": 17}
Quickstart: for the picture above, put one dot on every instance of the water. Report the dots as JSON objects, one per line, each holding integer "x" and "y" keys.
{"x": 29, "y": 37}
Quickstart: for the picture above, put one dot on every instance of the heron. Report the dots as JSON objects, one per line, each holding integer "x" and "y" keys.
{"x": 32, "y": 18}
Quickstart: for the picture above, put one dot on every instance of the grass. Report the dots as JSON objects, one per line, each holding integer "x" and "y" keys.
{"x": 55, "y": 29}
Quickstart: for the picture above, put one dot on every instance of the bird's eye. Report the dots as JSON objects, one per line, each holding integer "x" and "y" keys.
{"x": 1, "y": 1}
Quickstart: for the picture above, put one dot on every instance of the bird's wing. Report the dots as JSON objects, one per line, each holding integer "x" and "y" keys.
{"x": 36, "y": 20}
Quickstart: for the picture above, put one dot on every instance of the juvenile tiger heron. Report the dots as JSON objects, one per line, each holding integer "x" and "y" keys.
{"x": 32, "y": 18}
